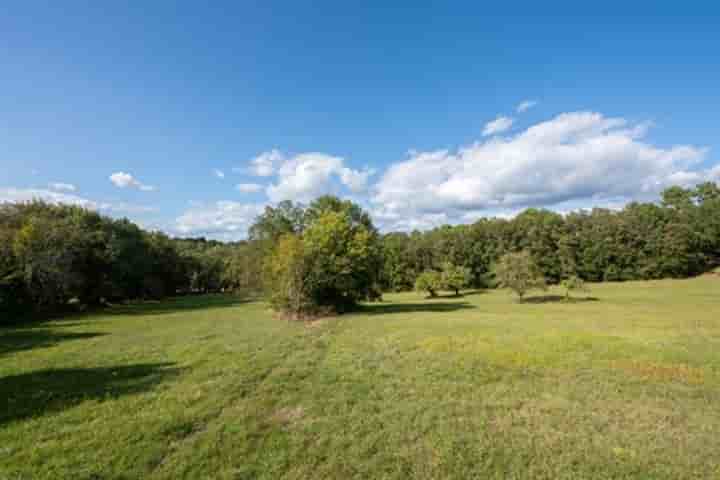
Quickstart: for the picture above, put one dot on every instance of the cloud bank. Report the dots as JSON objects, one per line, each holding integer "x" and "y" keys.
{"x": 574, "y": 156}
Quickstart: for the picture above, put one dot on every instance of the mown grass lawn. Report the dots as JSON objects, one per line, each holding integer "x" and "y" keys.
{"x": 625, "y": 386}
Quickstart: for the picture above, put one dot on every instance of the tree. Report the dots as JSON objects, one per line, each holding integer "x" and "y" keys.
{"x": 344, "y": 260}
{"x": 454, "y": 277}
{"x": 275, "y": 222}
{"x": 574, "y": 284}
{"x": 429, "y": 281}
{"x": 286, "y": 271}
{"x": 519, "y": 272}
{"x": 332, "y": 265}
{"x": 398, "y": 269}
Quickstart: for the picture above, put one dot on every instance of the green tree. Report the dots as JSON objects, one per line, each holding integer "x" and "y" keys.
{"x": 337, "y": 257}
{"x": 429, "y": 281}
{"x": 344, "y": 258}
{"x": 574, "y": 284}
{"x": 455, "y": 277}
{"x": 277, "y": 221}
{"x": 519, "y": 272}
{"x": 286, "y": 272}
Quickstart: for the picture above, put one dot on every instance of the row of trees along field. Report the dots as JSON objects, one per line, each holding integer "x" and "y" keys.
{"x": 329, "y": 255}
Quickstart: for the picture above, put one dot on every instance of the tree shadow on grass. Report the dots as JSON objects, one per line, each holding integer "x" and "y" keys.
{"x": 176, "y": 304}
{"x": 559, "y": 299}
{"x": 430, "y": 306}
{"x": 47, "y": 391}
{"x": 470, "y": 293}
{"x": 29, "y": 338}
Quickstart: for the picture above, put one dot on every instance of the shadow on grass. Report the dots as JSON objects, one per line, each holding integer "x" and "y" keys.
{"x": 47, "y": 391}
{"x": 176, "y": 304}
{"x": 29, "y": 338}
{"x": 470, "y": 293}
{"x": 559, "y": 299}
{"x": 430, "y": 306}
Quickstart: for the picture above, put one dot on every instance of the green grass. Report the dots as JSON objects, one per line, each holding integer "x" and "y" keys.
{"x": 625, "y": 386}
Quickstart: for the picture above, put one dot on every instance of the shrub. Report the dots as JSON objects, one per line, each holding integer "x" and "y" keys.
{"x": 574, "y": 284}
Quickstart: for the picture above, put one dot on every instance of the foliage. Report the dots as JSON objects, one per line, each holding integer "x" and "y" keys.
{"x": 520, "y": 273}
{"x": 454, "y": 277}
{"x": 678, "y": 238}
{"x": 429, "y": 281}
{"x": 277, "y": 221}
{"x": 286, "y": 273}
{"x": 333, "y": 264}
{"x": 56, "y": 256}
{"x": 52, "y": 256}
{"x": 574, "y": 284}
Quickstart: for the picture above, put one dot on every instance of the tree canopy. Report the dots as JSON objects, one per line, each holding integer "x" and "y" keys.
{"x": 52, "y": 256}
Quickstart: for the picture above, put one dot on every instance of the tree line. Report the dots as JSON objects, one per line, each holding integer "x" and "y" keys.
{"x": 328, "y": 255}
{"x": 55, "y": 258}
{"x": 675, "y": 238}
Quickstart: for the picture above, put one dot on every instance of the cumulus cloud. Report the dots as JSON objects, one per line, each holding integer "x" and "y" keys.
{"x": 248, "y": 187}
{"x": 308, "y": 175}
{"x": 67, "y": 187}
{"x": 526, "y": 105}
{"x": 265, "y": 164}
{"x": 30, "y": 194}
{"x": 224, "y": 220}
{"x": 499, "y": 125}
{"x": 125, "y": 180}
{"x": 573, "y": 156}
{"x": 218, "y": 173}
{"x": 49, "y": 196}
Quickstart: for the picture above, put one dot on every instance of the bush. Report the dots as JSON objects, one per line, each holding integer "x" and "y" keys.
{"x": 574, "y": 284}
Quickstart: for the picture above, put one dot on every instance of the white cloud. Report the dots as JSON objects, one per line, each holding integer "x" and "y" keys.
{"x": 499, "y": 125}
{"x": 49, "y": 196}
{"x": 67, "y": 187}
{"x": 572, "y": 157}
{"x": 30, "y": 194}
{"x": 218, "y": 173}
{"x": 125, "y": 180}
{"x": 127, "y": 208}
{"x": 265, "y": 164}
{"x": 248, "y": 187}
{"x": 309, "y": 175}
{"x": 526, "y": 105}
{"x": 223, "y": 220}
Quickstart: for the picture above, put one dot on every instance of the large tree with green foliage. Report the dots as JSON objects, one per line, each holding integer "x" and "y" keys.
{"x": 429, "y": 281}
{"x": 520, "y": 273}
{"x": 330, "y": 266}
{"x": 454, "y": 277}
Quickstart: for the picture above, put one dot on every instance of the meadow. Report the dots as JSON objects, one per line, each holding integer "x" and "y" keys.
{"x": 625, "y": 384}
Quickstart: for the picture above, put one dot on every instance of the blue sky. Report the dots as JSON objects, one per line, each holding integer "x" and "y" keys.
{"x": 411, "y": 110}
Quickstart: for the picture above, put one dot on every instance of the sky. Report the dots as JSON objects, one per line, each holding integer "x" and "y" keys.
{"x": 191, "y": 117}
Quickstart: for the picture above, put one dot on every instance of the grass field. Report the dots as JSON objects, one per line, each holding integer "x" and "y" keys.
{"x": 623, "y": 386}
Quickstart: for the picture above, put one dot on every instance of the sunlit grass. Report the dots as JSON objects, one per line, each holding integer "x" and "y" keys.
{"x": 626, "y": 386}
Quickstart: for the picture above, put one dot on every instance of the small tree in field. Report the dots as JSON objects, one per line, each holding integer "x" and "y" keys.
{"x": 455, "y": 277}
{"x": 429, "y": 281}
{"x": 519, "y": 272}
{"x": 574, "y": 284}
